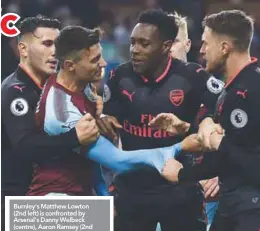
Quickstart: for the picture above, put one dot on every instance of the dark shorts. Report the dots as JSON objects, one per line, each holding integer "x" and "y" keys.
{"x": 177, "y": 207}
{"x": 244, "y": 221}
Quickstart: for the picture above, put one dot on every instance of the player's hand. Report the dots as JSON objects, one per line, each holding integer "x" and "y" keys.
{"x": 171, "y": 170}
{"x": 99, "y": 105}
{"x": 215, "y": 140}
{"x": 191, "y": 144}
{"x": 98, "y": 100}
{"x": 170, "y": 123}
{"x": 210, "y": 187}
{"x": 108, "y": 126}
{"x": 87, "y": 130}
{"x": 206, "y": 128}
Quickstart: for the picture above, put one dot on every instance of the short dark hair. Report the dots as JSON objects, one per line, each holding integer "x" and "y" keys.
{"x": 233, "y": 23}
{"x": 73, "y": 39}
{"x": 30, "y": 24}
{"x": 166, "y": 24}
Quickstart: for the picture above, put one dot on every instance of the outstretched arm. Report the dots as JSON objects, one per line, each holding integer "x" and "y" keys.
{"x": 105, "y": 153}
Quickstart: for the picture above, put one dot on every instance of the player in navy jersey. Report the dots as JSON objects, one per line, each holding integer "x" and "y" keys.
{"x": 152, "y": 83}
{"x": 226, "y": 44}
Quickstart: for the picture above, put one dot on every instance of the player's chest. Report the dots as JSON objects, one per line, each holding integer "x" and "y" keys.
{"x": 232, "y": 107}
{"x": 168, "y": 96}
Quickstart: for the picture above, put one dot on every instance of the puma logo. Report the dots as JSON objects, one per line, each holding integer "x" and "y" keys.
{"x": 199, "y": 70}
{"x": 130, "y": 96}
{"x": 242, "y": 93}
{"x": 19, "y": 88}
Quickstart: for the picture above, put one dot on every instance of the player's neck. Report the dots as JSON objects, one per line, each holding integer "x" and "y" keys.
{"x": 37, "y": 77}
{"x": 159, "y": 69}
{"x": 69, "y": 82}
{"x": 185, "y": 59}
{"x": 235, "y": 63}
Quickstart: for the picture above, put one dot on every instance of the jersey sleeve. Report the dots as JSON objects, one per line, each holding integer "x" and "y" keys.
{"x": 208, "y": 168}
{"x": 111, "y": 96}
{"x": 208, "y": 89}
{"x": 18, "y": 118}
{"x": 100, "y": 186}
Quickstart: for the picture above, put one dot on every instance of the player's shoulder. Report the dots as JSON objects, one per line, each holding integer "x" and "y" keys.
{"x": 12, "y": 88}
{"x": 253, "y": 74}
{"x": 251, "y": 78}
{"x": 199, "y": 77}
{"x": 189, "y": 70}
{"x": 193, "y": 72}
{"x": 124, "y": 67}
{"x": 196, "y": 69}
{"x": 16, "y": 95}
{"x": 121, "y": 70}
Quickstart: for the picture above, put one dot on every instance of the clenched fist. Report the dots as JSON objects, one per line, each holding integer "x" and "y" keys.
{"x": 87, "y": 130}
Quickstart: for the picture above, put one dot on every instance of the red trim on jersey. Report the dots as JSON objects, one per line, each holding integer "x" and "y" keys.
{"x": 32, "y": 77}
{"x": 40, "y": 112}
{"x": 144, "y": 79}
{"x": 253, "y": 60}
{"x": 163, "y": 75}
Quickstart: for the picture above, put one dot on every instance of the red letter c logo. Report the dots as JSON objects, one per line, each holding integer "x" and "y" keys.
{"x": 7, "y": 30}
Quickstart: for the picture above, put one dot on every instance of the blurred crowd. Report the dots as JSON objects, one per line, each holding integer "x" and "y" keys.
{"x": 116, "y": 18}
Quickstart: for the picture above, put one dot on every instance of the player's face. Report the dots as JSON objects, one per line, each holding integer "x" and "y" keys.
{"x": 181, "y": 45}
{"x": 211, "y": 51}
{"x": 41, "y": 50}
{"x": 146, "y": 48}
{"x": 91, "y": 65}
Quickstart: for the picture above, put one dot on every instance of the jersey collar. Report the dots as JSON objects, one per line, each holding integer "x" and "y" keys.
{"x": 253, "y": 60}
{"x": 24, "y": 73}
{"x": 162, "y": 76}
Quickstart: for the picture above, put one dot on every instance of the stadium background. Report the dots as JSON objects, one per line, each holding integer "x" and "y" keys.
{"x": 117, "y": 17}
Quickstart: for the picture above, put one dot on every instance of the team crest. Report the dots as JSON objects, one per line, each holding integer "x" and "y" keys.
{"x": 89, "y": 93}
{"x": 106, "y": 93}
{"x": 239, "y": 118}
{"x": 215, "y": 85}
{"x": 19, "y": 107}
{"x": 177, "y": 97}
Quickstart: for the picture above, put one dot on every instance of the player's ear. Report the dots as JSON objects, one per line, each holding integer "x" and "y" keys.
{"x": 226, "y": 47}
{"x": 167, "y": 45}
{"x": 187, "y": 46}
{"x": 23, "y": 49}
{"x": 69, "y": 65}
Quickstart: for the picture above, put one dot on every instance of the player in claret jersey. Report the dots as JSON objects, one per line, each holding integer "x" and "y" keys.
{"x": 64, "y": 100}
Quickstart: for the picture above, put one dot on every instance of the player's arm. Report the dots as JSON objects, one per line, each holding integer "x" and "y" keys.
{"x": 191, "y": 144}
{"x": 19, "y": 122}
{"x": 107, "y": 154}
{"x": 209, "y": 89}
{"x": 100, "y": 185}
{"x": 208, "y": 168}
